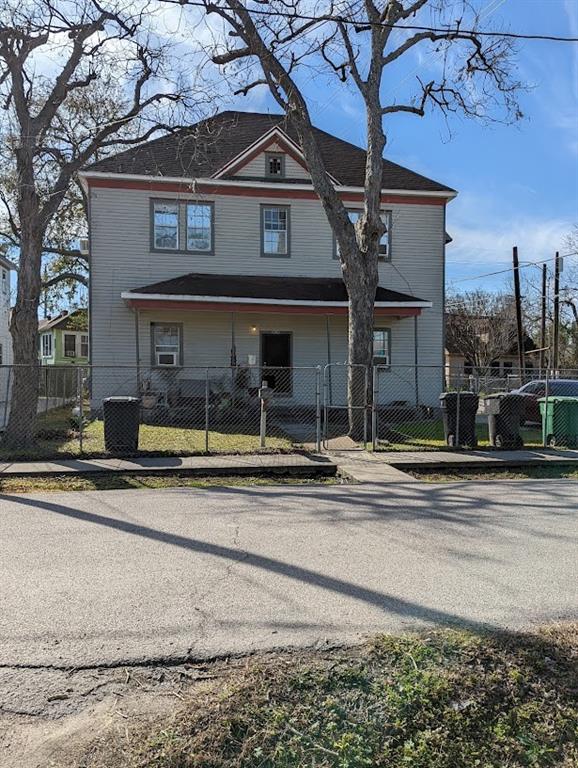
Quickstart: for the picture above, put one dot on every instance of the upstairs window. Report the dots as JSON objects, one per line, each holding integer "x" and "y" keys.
{"x": 199, "y": 227}
{"x": 275, "y": 164}
{"x": 5, "y": 282}
{"x": 84, "y": 345}
{"x": 166, "y": 345}
{"x": 384, "y": 243}
{"x": 382, "y": 346}
{"x": 69, "y": 345}
{"x": 46, "y": 345}
{"x": 275, "y": 230}
{"x": 166, "y": 226}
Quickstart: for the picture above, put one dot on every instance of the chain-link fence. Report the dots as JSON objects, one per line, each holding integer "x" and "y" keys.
{"x": 430, "y": 407}
{"x": 242, "y": 409}
{"x": 181, "y": 411}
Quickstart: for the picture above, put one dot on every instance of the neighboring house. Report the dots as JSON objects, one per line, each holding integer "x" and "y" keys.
{"x": 6, "y": 267}
{"x": 504, "y": 362}
{"x": 210, "y": 247}
{"x": 6, "y": 358}
{"x": 63, "y": 339}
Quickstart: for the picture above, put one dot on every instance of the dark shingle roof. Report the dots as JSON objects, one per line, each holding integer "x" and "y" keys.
{"x": 76, "y": 320}
{"x": 206, "y": 147}
{"x": 264, "y": 287}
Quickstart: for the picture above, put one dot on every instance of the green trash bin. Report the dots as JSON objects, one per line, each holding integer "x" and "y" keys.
{"x": 560, "y": 420}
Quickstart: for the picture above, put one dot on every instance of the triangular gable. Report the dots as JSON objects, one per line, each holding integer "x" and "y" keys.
{"x": 274, "y": 140}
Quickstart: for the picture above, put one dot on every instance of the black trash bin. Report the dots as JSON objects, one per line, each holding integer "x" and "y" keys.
{"x": 505, "y": 412}
{"x": 121, "y": 423}
{"x": 459, "y": 411}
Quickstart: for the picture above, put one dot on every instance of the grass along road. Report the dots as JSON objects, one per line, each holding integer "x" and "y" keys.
{"x": 546, "y": 472}
{"x": 434, "y": 700}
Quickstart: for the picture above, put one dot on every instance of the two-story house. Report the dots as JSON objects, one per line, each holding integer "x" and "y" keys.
{"x": 210, "y": 247}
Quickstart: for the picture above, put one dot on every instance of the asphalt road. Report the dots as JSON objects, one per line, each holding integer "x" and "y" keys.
{"x": 123, "y": 576}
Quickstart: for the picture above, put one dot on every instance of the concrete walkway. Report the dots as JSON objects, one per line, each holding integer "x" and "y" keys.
{"x": 361, "y": 466}
{"x": 249, "y": 464}
{"x": 388, "y": 467}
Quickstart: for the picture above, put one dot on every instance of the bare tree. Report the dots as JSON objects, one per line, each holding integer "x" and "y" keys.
{"x": 279, "y": 43}
{"x": 57, "y": 61}
{"x": 481, "y": 326}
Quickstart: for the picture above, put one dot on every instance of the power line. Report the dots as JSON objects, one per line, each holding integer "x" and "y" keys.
{"x": 524, "y": 264}
{"x": 366, "y": 23}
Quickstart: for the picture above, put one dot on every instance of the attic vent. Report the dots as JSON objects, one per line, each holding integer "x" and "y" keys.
{"x": 275, "y": 164}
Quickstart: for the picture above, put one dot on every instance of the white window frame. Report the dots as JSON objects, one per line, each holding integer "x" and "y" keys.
{"x": 75, "y": 337}
{"x": 211, "y": 209}
{"x": 382, "y": 360}
{"x": 284, "y": 254}
{"x": 46, "y": 342}
{"x": 157, "y": 205}
{"x": 84, "y": 336}
{"x": 172, "y": 351}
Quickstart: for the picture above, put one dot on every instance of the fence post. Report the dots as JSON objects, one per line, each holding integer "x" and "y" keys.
{"x": 207, "y": 411}
{"x": 366, "y": 392}
{"x": 325, "y": 410}
{"x": 263, "y": 419}
{"x": 318, "y": 409}
{"x": 80, "y": 401}
{"x": 457, "y": 445}
{"x": 545, "y": 416}
{"x": 374, "y": 396}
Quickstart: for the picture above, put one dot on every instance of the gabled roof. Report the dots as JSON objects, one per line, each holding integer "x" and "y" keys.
{"x": 65, "y": 321}
{"x": 265, "y": 288}
{"x": 209, "y": 146}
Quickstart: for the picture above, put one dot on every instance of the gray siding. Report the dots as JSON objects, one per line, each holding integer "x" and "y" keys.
{"x": 256, "y": 167}
{"x": 122, "y": 260}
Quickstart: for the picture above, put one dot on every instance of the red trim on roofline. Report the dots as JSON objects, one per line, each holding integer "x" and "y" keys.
{"x": 266, "y": 191}
{"x": 259, "y": 149}
{"x": 212, "y": 306}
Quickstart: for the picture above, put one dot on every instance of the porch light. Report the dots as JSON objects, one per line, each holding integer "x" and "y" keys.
{"x": 253, "y": 329}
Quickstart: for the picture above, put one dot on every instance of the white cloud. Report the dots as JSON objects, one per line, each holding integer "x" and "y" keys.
{"x": 484, "y": 234}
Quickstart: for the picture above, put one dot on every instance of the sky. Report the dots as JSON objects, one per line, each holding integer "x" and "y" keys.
{"x": 517, "y": 184}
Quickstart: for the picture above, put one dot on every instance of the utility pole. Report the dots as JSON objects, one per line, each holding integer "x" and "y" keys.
{"x": 519, "y": 327}
{"x": 543, "y": 319}
{"x": 556, "y": 341}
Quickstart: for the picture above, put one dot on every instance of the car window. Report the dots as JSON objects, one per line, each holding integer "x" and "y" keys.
{"x": 564, "y": 388}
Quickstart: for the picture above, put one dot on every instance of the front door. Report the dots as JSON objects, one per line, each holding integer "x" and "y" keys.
{"x": 276, "y": 361}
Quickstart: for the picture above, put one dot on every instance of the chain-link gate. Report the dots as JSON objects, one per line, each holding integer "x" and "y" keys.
{"x": 345, "y": 406}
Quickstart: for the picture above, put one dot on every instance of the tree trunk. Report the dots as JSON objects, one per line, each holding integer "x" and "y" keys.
{"x": 19, "y": 433}
{"x": 361, "y": 287}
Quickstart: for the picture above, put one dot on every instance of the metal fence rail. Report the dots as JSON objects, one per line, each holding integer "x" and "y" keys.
{"x": 226, "y": 410}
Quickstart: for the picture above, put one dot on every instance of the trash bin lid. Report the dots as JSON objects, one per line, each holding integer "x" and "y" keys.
{"x": 120, "y": 399}
{"x": 559, "y": 399}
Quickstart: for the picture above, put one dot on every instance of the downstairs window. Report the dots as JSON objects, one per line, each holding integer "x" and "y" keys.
{"x": 166, "y": 345}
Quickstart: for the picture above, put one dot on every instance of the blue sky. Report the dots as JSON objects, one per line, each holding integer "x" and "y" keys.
{"x": 518, "y": 185}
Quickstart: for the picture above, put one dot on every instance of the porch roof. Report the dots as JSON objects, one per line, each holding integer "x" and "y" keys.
{"x": 258, "y": 293}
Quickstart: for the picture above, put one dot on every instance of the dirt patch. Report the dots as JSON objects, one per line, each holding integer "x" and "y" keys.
{"x": 51, "y": 718}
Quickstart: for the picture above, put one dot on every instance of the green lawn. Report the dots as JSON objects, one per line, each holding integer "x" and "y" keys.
{"x": 58, "y": 438}
{"x": 120, "y": 481}
{"x": 444, "y": 699}
{"x": 543, "y": 472}
{"x": 430, "y": 434}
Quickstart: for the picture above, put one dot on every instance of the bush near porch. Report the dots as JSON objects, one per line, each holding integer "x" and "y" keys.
{"x": 58, "y": 437}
